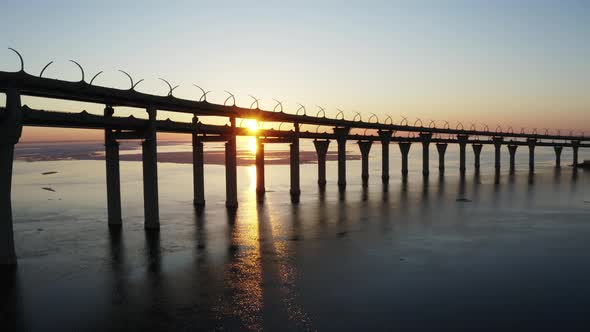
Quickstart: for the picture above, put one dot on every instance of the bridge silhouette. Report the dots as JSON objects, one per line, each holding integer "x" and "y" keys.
{"x": 15, "y": 115}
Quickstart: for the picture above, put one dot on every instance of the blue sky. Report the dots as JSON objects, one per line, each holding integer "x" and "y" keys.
{"x": 518, "y": 63}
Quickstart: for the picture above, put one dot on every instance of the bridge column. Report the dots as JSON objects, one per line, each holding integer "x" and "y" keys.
{"x": 260, "y": 186}
{"x": 531, "y": 142}
{"x": 404, "y": 148}
{"x": 10, "y": 131}
{"x": 294, "y": 161}
{"x": 385, "y": 136}
{"x": 441, "y": 148}
{"x": 558, "y": 149}
{"x": 341, "y": 133}
{"x": 575, "y": 146}
{"x": 512, "y": 151}
{"x": 111, "y": 147}
{"x": 150, "y": 173}
{"x": 321, "y": 148}
{"x": 231, "y": 181}
{"x": 462, "y": 148}
{"x": 497, "y": 146}
{"x": 476, "y": 153}
{"x": 365, "y": 147}
{"x": 425, "y": 138}
{"x": 198, "y": 169}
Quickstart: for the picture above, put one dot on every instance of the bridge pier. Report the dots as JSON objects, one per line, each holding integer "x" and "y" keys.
{"x": 231, "y": 181}
{"x": 425, "y": 138}
{"x": 531, "y": 142}
{"x": 385, "y": 136}
{"x": 113, "y": 174}
{"x": 294, "y": 161}
{"x": 512, "y": 151}
{"x": 150, "y": 173}
{"x": 260, "y": 185}
{"x": 575, "y": 146}
{"x": 321, "y": 148}
{"x": 476, "y": 153}
{"x": 557, "y": 150}
{"x": 441, "y": 148}
{"x": 198, "y": 169}
{"x": 10, "y": 132}
{"x": 404, "y": 148}
{"x": 341, "y": 133}
{"x": 365, "y": 147}
{"x": 462, "y": 148}
{"x": 497, "y": 146}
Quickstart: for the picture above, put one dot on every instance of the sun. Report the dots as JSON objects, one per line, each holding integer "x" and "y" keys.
{"x": 252, "y": 126}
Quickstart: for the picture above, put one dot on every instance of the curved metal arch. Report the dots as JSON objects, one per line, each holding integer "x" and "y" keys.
{"x": 256, "y": 100}
{"x": 341, "y": 113}
{"x": 43, "y": 70}
{"x": 279, "y": 104}
{"x": 432, "y": 124}
{"x": 404, "y": 120}
{"x": 486, "y": 128}
{"x": 546, "y": 131}
{"x": 169, "y": 86}
{"x": 534, "y": 131}
{"x": 498, "y": 127}
{"x": 522, "y": 130}
{"x": 95, "y": 76}
{"x": 510, "y": 130}
{"x": 447, "y": 125}
{"x": 359, "y": 115}
{"x": 373, "y": 115}
{"x": 459, "y": 124}
{"x": 415, "y": 122}
{"x": 390, "y": 120}
{"x": 22, "y": 62}
{"x": 81, "y": 69}
{"x": 473, "y": 127}
{"x": 131, "y": 80}
{"x": 301, "y": 107}
{"x": 203, "y": 93}
{"x": 317, "y": 128}
{"x": 280, "y": 124}
{"x": 231, "y": 96}
{"x": 322, "y": 110}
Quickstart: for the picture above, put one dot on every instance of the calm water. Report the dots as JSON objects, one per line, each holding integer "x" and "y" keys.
{"x": 516, "y": 256}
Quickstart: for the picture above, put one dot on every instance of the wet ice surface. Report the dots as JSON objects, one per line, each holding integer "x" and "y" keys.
{"x": 442, "y": 255}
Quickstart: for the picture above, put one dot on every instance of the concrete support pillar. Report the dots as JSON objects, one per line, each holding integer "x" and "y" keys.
{"x": 512, "y": 151}
{"x": 558, "y": 155}
{"x": 341, "y": 134}
{"x": 365, "y": 147}
{"x": 404, "y": 148}
{"x": 150, "y": 173}
{"x": 532, "y": 142}
{"x": 111, "y": 147}
{"x": 425, "y": 138}
{"x": 462, "y": 149}
{"x": 10, "y": 131}
{"x": 321, "y": 148}
{"x": 476, "y": 153}
{"x": 260, "y": 185}
{"x": 294, "y": 161}
{"x": 575, "y": 146}
{"x": 385, "y": 136}
{"x": 441, "y": 148}
{"x": 198, "y": 168}
{"x": 497, "y": 147}
{"x": 231, "y": 177}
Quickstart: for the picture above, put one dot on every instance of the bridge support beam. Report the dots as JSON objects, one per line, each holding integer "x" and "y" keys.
{"x": 365, "y": 147}
{"x": 441, "y": 148}
{"x": 10, "y": 131}
{"x": 462, "y": 149}
{"x": 294, "y": 161}
{"x": 198, "y": 169}
{"x": 575, "y": 146}
{"x": 113, "y": 174}
{"x": 532, "y": 142}
{"x": 477, "y": 153}
{"x": 404, "y": 148}
{"x": 260, "y": 185}
{"x": 341, "y": 134}
{"x": 385, "y": 136}
{"x": 231, "y": 180}
{"x": 321, "y": 148}
{"x": 425, "y": 138}
{"x": 512, "y": 151}
{"x": 557, "y": 150}
{"x": 150, "y": 173}
{"x": 497, "y": 147}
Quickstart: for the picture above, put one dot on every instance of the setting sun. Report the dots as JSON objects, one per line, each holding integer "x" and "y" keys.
{"x": 251, "y": 124}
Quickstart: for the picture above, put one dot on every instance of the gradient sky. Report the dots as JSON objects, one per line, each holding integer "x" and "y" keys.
{"x": 513, "y": 63}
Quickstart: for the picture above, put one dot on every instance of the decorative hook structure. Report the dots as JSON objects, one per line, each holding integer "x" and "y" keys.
{"x": 131, "y": 80}
{"x": 322, "y": 110}
{"x": 459, "y": 124}
{"x": 546, "y": 131}
{"x": 254, "y": 102}
{"x": 95, "y": 76}
{"x": 498, "y": 129}
{"x": 485, "y": 127}
{"x": 301, "y": 107}
{"x": 404, "y": 120}
{"x": 418, "y": 120}
{"x": 522, "y": 130}
{"x": 390, "y": 120}
{"x": 43, "y": 70}
{"x": 341, "y": 113}
{"x": 534, "y": 131}
{"x": 22, "y": 62}
{"x": 432, "y": 124}
{"x": 510, "y": 130}
{"x": 169, "y": 86}
{"x": 447, "y": 125}
{"x": 231, "y": 96}
{"x": 373, "y": 115}
{"x": 203, "y": 93}
{"x": 279, "y": 104}
{"x": 81, "y": 69}
{"x": 473, "y": 127}
{"x": 359, "y": 116}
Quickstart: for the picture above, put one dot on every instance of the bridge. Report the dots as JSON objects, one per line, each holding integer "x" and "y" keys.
{"x": 15, "y": 115}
